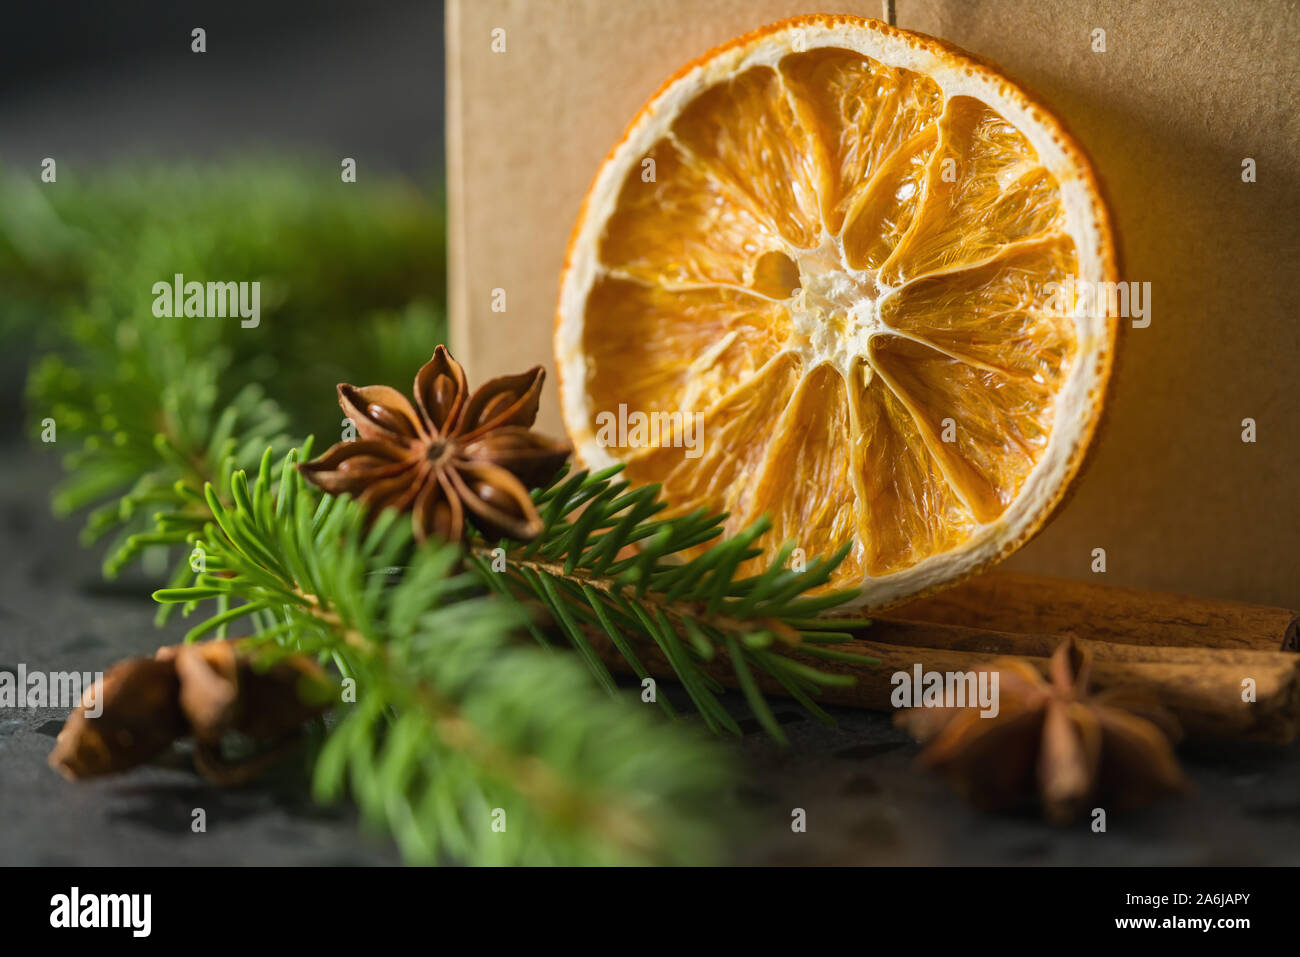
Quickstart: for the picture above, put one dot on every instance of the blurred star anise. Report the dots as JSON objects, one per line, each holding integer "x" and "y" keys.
{"x": 1053, "y": 737}
{"x": 452, "y": 459}
{"x": 211, "y": 690}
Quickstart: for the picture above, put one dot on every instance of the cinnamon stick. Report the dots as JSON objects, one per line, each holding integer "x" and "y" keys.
{"x": 992, "y": 644}
{"x": 1035, "y": 604}
{"x": 1202, "y": 686}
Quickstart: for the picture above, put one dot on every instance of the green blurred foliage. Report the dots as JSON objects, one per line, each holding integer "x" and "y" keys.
{"x": 352, "y": 276}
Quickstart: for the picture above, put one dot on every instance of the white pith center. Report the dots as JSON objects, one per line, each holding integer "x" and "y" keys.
{"x": 835, "y": 312}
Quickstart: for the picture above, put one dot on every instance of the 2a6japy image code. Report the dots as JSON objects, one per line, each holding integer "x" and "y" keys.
{"x": 1215, "y": 899}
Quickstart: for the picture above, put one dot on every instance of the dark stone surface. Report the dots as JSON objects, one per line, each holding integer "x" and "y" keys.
{"x": 57, "y": 614}
{"x": 864, "y": 802}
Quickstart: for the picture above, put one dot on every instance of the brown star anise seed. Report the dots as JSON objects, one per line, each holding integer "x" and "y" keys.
{"x": 452, "y": 459}
{"x": 143, "y": 705}
{"x": 1053, "y": 737}
{"x": 126, "y": 718}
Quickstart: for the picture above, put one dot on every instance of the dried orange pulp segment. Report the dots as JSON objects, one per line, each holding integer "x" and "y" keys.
{"x": 823, "y": 258}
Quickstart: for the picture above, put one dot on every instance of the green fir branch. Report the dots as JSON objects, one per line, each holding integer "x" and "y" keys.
{"x": 671, "y": 592}
{"x": 456, "y": 731}
{"x": 351, "y": 279}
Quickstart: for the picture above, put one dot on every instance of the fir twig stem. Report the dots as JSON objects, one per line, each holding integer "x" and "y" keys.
{"x": 653, "y": 602}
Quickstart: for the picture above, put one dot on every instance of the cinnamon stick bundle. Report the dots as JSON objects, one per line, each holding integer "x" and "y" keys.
{"x": 1195, "y": 661}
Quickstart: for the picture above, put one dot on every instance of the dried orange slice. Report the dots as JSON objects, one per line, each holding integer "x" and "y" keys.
{"x": 820, "y": 278}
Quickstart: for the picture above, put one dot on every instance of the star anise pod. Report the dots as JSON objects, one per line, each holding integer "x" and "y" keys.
{"x": 209, "y": 691}
{"x": 452, "y": 459}
{"x": 1053, "y": 737}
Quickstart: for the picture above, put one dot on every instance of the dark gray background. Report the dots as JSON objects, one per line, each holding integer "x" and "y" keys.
{"x": 95, "y": 83}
